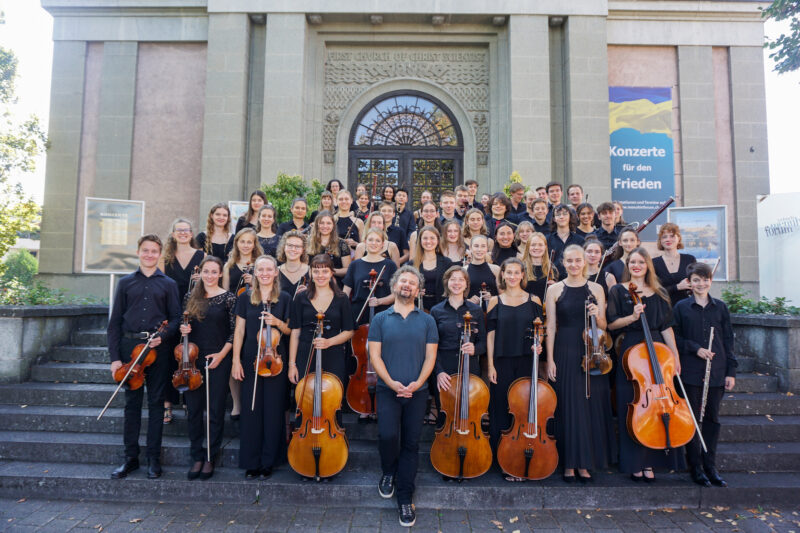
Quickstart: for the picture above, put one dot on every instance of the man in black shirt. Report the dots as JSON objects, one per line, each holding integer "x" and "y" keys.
{"x": 142, "y": 301}
{"x": 394, "y": 233}
{"x": 516, "y": 195}
{"x": 404, "y": 219}
{"x": 607, "y": 233}
{"x": 694, "y": 317}
{"x": 554, "y": 193}
{"x": 472, "y": 187}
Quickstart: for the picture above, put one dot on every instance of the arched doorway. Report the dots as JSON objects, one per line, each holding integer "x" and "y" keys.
{"x": 407, "y": 139}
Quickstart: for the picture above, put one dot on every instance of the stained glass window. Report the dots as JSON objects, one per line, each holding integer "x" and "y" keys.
{"x": 406, "y": 120}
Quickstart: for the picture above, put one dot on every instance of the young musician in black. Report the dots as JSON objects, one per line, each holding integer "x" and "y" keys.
{"x": 214, "y": 240}
{"x": 562, "y": 234}
{"x": 402, "y": 349}
{"x": 607, "y": 233}
{"x": 671, "y": 266}
{"x": 212, "y": 321}
{"x": 142, "y": 301}
{"x": 298, "y": 222}
{"x": 250, "y": 219}
{"x": 694, "y": 317}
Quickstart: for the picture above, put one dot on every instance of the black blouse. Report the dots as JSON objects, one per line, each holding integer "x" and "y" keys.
{"x": 338, "y": 318}
{"x": 235, "y": 276}
{"x": 617, "y": 269}
{"x": 669, "y": 280}
{"x": 269, "y": 244}
{"x": 252, "y": 315}
{"x": 500, "y": 254}
{"x": 289, "y": 226}
{"x": 513, "y": 327}
{"x": 243, "y": 223}
{"x": 657, "y": 310}
{"x": 346, "y": 228}
{"x": 555, "y": 244}
{"x": 288, "y": 286}
{"x": 481, "y": 274}
{"x": 357, "y": 278}
{"x": 183, "y": 276}
{"x": 216, "y": 328}
{"x": 538, "y": 286}
{"x": 434, "y": 286}
{"x": 218, "y": 250}
{"x": 449, "y": 321}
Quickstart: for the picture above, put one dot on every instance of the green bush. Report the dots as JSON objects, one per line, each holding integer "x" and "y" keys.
{"x": 20, "y": 266}
{"x": 14, "y": 292}
{"x": 286, "y": 188}
{"x": 513, "y": 178}
{"x": 736, "y": 298}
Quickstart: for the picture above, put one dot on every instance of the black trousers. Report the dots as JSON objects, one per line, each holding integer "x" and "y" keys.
{"x": 156, "y": 379}
{"x": 508, "y": 369}
{"x": 196, "y": 405}
{"x": 709, "y": 427}
{"x": 399, "y": 429}
{"x": 262, "y": 433}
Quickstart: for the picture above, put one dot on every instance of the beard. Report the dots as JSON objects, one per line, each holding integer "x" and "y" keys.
{"x": 404, "y": 297}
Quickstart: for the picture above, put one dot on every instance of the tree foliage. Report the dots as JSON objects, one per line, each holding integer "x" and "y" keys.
{"x": 286, "y": 188}
{"x": 786, "y": 48}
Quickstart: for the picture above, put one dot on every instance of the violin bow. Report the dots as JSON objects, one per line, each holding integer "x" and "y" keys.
{"x": 691, "y": 412}
{"x": 208, "y": 417}
{"x": 258, "y": 358}
{"x": 371, "y": 292}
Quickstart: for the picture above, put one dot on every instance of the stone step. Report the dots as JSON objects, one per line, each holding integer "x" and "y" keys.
{"x": 79, "y": 354}
{"x": 748, "y": 382}
{"x": 60, "y": 394}
{"x": 760, "y": 428}
{"x": 610, "y": 491}
{"x": 89, "y": 337}
{"x": 759, "y": 457}
{"x": 745, "y": 364}
{"x": 759, "y": 403}
{"x": 72, "y": 373}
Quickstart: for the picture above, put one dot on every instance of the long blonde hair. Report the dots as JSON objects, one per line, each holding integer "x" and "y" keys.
{"x": 255, "y": 292}
{"x": 527, "y": 260}
{"x": 171, "y": 245}
{"x": 419, "y": 252}
{"x": 368, "y": 225}
{"x": 462, "y": 247}
{"x": 210, "y": 225}
{"x": 235, "y": 255}
{"x": 650, "y": 277}
{"x": 314, "y": 244}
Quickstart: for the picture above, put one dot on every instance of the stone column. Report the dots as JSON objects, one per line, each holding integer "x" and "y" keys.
{"x": 698, "y": 129}
{"x": 529, "y": 90}
{"x": 750, "y": 163}
{"x": 63, "y": 156}
{"x": 225, "y": 115}
{"x": 115, "y": 121}
{"x": 586, "y": 107}
{"x": 284, "y": 66}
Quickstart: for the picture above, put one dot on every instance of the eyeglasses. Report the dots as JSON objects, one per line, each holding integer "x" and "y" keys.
{"x": 295, "y": 246}
{"x": 183, "y": 231}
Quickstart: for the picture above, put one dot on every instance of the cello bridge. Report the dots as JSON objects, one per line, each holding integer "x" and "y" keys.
{"x": 531, "y": 435}
{"x": 317, "y": 431}
{"x": 462, "y": 431}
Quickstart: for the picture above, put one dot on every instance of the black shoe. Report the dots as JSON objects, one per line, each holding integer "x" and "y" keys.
{"x": 649, "y": 479}
{"x": 235, "y": 418}
{"x": 568, "y": 479}
{"x": 714, "y": 477}
{"x": 407, "y": 515}
{"x": 637, "y": 479}
{"x": 265, "y": 473}
{"x": 585, "y": 479}
{"x": 699, "y": 477}
{"x": 131, "y": 464}
{"x": 154, "y": 468}
{"x": 207, "y": 471}
{"x": 252, "y": 474}
{"x": 386, "y": 486}
{"x": 194, "y": 474}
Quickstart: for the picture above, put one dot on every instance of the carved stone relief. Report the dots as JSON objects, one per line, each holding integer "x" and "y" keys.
{"x": 463, "y": 72}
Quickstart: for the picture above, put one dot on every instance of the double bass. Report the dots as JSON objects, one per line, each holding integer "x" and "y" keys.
{"x": 658, "y": 417}
{"x": 187, "y": 377}
{"x": 461, "y": 449}
{"x": 318, "y": 448}
{"x": 597, "y": 342}
{"x": 362, "y": 385}
{"x": 526, "y": 451}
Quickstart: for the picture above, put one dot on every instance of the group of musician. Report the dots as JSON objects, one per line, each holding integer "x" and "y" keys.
{"x": 531, "y": 272}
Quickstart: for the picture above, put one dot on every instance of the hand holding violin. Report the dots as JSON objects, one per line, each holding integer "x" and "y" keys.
{"x": 115, "y": 366}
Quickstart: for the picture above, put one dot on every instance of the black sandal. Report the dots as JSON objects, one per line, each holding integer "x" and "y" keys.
{"x": 167, "y": 415}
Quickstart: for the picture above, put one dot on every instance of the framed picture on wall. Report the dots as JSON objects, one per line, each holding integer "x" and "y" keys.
{"x": 704, "y": 232}
{"x": 237, "y": 209}
{"x": 111, "y": 230}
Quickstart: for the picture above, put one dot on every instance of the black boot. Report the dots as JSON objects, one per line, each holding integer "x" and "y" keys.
{"x": 154, "y": 468}
{"x": 699, "y": 477}
{"x": 131, "y": 464}
{"x": 714, "y": 477}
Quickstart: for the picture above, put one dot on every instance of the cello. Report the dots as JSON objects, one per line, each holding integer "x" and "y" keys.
{"x": 597, "y": 342}
{"x": 268, "y": 362}
{"x": 361, "y": 387}
{"x": 658, "y": 417}
{"x": 187, "y": 377}
{"x": 461, "y": 448}
{"x": 318, "y": 448}
{"x": 525, "y": 450}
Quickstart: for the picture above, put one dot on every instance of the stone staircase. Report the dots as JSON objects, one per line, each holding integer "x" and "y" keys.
{"x": 51, "y": 445}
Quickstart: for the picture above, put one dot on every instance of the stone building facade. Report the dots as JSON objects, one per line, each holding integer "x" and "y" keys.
{"x": 185, "y": 103}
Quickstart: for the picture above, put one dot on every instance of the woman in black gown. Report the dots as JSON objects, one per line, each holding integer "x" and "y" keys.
{"x": 262, "y": 437}
{"x": 293, "y": 259}
{"x": 430, "y": 262}
{"x": 584, "y": 429}
{"x": 503, "y": 244}
{"x": 356, "y": 281}
{"x": 623, "y": 317}
{"x": 214, "y": 240}
{"x": 481, "y": 272}
{"x": 536, "y": 259}
{"x": 267, "y": 230}
{"x": 250, "y": 219}
{"x": 323, "y": 295}
{"x": 211, "y": 324}
{"x": 671, "y": 265}
{"x": 324, "y": 239}
{"x": 508, "y": 347}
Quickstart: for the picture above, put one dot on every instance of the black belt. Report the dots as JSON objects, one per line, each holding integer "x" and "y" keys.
{"x": 138, "y": 336}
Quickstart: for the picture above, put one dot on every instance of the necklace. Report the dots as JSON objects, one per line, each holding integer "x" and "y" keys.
{"x": 295, "y": 271}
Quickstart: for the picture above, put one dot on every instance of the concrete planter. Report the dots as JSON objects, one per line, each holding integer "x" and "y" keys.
{"x": 28, "y": 332}
{"x": 774, "y": 343}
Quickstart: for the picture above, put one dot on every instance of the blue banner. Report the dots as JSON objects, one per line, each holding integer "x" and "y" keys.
{"x": 641, "y": 152}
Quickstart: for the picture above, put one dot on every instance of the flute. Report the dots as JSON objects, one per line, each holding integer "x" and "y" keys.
{"x": 707, "y": 377}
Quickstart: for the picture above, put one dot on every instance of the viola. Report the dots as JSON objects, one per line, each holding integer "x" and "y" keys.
{"x": 362, "y": 385}
{"x": 526, "y": 450}
{"x": 318, "y": 448}
{"x": 658, "y": 417}
{"x": 242, "y": 286}
{"x": 131, "y": 374}
{"x": 187, "y": 377}
{"x": 461, "y": 448}
{"x": 596, "y": 341}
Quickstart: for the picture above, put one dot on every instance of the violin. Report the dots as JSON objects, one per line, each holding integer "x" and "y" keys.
{"x": 596, "y": 341}
{"x": 481, "y": 300}
{"x": 142, "y": 356}
{"x": 526, "y": 450}
{"x": 658, "y": 417}
{"x": 192, "y": 281}
{"x": 362, "y": 385}
{"x": 268, "y": 362}
{"x": 461, "y": 448}
{"x": 318, "y": 448}
{"x": 187, "y": 377}
{"x": 242, "y": 286}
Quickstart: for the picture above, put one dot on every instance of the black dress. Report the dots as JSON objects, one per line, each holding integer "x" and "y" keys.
{"x": 500, "y": 254}
{"x": 633, "y": 457}
{"x": 537, "y": 287}
{"x": 584, "y": 429}
{"x": 615, "y": 268}
{"x": 600, "y": 279}
{"x": 555, "y": 244}
{"x": 669, "y": 280}
{"x": 346, "y": 228}
{"x": 269, "y": 244}
{"x": 289, "y": 226}
{"x": 183, "y": 276}
{"x": 481, "y": 274}
{"x": 434, "y": 286}
{"x": 512, "y": 357}
{"x": 210, "y": 335}
{"x": 289, "y": 287}
{"x": 338, "y": 318}
{"x": 357, "y": 278}
{"x": 235, "y": 276}
{"x": 218, "y": 250}
{"x": 242, "y": 223}
{"x": 262, "y": 439}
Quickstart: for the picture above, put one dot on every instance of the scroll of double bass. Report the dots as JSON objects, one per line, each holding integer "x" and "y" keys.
{"x": 526, "y": 451}
{"x": 461, "y": 449}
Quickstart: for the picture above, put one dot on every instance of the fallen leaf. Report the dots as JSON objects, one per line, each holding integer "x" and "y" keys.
{"x": 578, "y": 511}
{"x": 717, "y": 520}
{"x": 22, "y": 500}
{"x": 23, "y": 406}
{"x": 608, "y": 515}
{"x": 789, "y": 393}
{"x": 707, "y": 515}
{"x": 769, "y": 417}
{"x": 135, "y": 520}
{"x": 588, "y": 516}
{"x": 498, "y": 524}
{"x": 231, "y": 522}
{"x": 719, "y": 508}
{"x": 515, "y": 531}
{"x": 667, "y": 510}
{"x": 514, "y": 519}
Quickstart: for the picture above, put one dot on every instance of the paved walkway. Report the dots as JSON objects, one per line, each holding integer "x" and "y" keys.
{"x": 60, "y": 516}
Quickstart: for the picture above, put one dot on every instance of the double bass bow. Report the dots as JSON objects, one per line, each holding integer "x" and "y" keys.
{"x": 461, "y": 449}
{"x": 268, "y": 362}
{"x": 597, "y": 342}
{"x": 526, "y": 451}
{"x": 318, "y": 448}
{"x": 658, "y": 417}
{"x": 363, "y": 382}
{"x": 187, "y": 377}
